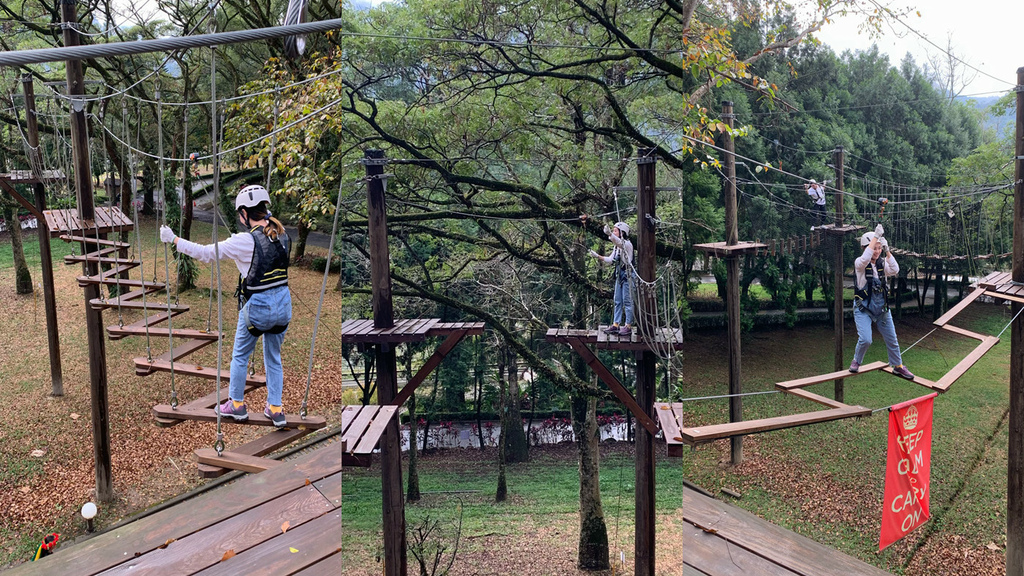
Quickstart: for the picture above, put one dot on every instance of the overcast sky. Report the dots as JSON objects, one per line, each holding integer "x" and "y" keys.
{"x": 984, "y": 33}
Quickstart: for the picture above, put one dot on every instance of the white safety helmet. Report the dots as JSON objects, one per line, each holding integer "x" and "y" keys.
{"x": 623, "y": 227}
{"x": 867, "y": 238}
{"x": 813, "y": 181}
{"x": 250, "y": 196}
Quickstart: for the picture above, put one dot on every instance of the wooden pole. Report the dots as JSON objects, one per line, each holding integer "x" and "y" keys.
{"x": 645, "y": 364}
{"x": 86, "y": 215}
{"x": 393, "y": 505}
{"x": 732, "y": 264}
{"x": 49, "y": 297}
{"x": 838, "y": 239}
{"x": 1015, "y": 456}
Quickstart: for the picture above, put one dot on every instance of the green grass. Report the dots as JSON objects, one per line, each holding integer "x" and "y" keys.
{"x": 30, "y": 242}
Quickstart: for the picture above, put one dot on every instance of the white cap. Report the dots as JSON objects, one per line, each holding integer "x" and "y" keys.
{"x": 623, "y": 227}
{"x": 250, "y": 196}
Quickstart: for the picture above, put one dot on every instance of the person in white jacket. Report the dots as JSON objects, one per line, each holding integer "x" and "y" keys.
{"x": 622, "y": 258}
{"x": 817, "y": 193}
{"x": 871, "y": 301}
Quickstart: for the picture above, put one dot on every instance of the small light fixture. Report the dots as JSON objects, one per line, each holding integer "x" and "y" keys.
{"x": 88, "y": 512}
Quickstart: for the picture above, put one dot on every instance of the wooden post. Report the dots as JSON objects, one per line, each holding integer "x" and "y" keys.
{"x": 732, "y": 264}
{"x": 1015, "y": 456}
{"x": 393, "y": 506}
{"x": 86, "y": 213}
{"x": 49, "y": 298}
{"x": 838, "y": 239}
{"x": 645, "y": 364}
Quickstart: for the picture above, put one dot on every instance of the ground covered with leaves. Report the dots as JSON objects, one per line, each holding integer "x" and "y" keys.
{"x": 824, "y": 481}
{"x": 46, "y": 446}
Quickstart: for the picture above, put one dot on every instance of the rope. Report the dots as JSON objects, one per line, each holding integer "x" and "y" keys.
{"x": 729, "y": 395}
{"x": 163, "y": 220}
{"x": 219, "y": 444}
{"x": 1010, "y": 322}
{"x": 320, "y": 305}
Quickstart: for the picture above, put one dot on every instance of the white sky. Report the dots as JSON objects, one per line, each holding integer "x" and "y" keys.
{"x": 984, "y": 33}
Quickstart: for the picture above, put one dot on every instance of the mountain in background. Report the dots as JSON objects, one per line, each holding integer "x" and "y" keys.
{"x": 998, "y": 123}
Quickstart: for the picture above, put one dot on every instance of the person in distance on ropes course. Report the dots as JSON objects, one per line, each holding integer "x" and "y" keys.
{"x": 622, "y": 258}
{"x": 871, "y": 301}
{"x": 264, "y": 300}
{"x": 817, "y": 193}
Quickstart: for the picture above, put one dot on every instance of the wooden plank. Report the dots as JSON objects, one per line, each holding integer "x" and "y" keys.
{"x": 376, "y": 428}
{"x": 184, "y": 333}
{"x": 96, "y": 241}
{"x": 100, "y": 304}
{"x": 613, "y": 383}
{"x": 330, "y": 487}
{"x": 968, "y": 333}
{"x": 710, "y": 553}
{"x": 149, "y": 320}
{"x": 84, "y": 281}
{"x": 235, "y": 461}
{"x": 330, "y": 566}
{"x": 124, "y": 267}
{"x": 79, "y": 259}
{"x": 184, "y": 349}
{"x": 816, "y": 398}
{"x": 261, "y": 446}
{"x": 115, "y": 547}
{"x": 256, "y": 418}
{"x": 669, "y": 419}
{"x": 358, "y": 426}
{"x": 348, "y": 415}
{"x": 206, "y": 548}
{"x": 802, "y": 382}
{"x": 1004, "y": 296}
{"x": 783, "y": 547}
{"x": 963, "y": 303}
{"x": 702, "y": 434}
{"x": 144, "y": 367}
{"x": 471, "y": 328}
{"x": 964, "y": 365}
{"x": 312, "y": 541}
{"x": 917, "y": 379}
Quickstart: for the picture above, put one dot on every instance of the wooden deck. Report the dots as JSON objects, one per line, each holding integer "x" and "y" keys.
{"x": 247, "y": 517}
{"x": 66, "y": 222}
{"x": 361, "y": 429}
{"x": 362, "y": 330}
{"x": 663, "y": 337}
{"x": 720, "y": 539}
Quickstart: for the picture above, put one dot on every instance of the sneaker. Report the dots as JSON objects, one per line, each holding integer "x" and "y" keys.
{"x": 625, "y": 330}
{"x": 276, "y": 417}
{"x": 854, "y": 366}
{"x": 613, "y": 329}
{"x": 902, "y": 372}
{"x": 227, "y": 409}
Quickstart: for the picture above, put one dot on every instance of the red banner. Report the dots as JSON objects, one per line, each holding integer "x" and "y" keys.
{"x": 907, "y": 475}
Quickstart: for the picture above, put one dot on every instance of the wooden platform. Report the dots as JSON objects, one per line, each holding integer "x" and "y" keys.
{"x": 246, "y": 517}
{"x": 599, "y": 339}
{"x": 720, "y": 539}
{"x": 361, "y": 429}
{"x": 27, "y": 177}
{"x": 66, "y": 222}
{"x": 723, "y": 249}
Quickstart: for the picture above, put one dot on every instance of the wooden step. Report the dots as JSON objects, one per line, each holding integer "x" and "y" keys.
{"x": 180, "y": 351}
{"x": 124, "y": 267}
{"x": 97, "y": 241}
{"x": 150, "y": 320}
{"x": 182, "y": 333}
{"x": 211, "y": 399}
{"x": 235, "y": 460}
{"x": 101, "y": 304}
{"x": 182, "y": 369}
{"x": 98, "y": 260}
{"x": 261, "y": 446}
{"x": 84, "y": 281}
{"x": 256, "y": 417}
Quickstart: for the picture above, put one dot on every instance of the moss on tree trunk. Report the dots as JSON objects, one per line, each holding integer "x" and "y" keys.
{"x": 22, "y": 277}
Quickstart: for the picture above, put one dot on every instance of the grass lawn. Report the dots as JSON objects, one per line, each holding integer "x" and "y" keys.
{"x": 824, "y": 481}
{"x": 46, "y": 448}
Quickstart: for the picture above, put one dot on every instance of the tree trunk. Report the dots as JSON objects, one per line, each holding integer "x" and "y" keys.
{"x": 517, "y": 448}
{"x": 502, "y": 491}
{"x": 413, "y": 492}
{"x": 299, "y": 249}
{"x": 22, "y": 276}
{"x": 593, "y": 545}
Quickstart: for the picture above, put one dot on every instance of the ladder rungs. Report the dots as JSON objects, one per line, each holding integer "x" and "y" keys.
{"x": 87, "y": 258}
{"x": 99, "y": 241}
{"x": 210, "y": 400}
{"x": 148, "y": 320}
{"x": 100, "y": 304}
{"x": 124, "y": 267}
{"x": 183, "y": 333}
{"x": 256, "y": 418}
{"x": 87, "y": 280}
{"x": 210, "y": 373}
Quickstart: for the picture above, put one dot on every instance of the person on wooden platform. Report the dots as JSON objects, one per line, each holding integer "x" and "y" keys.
{"x": 622, "y": 258}
{"x": 817, "y": 193}
{"x": 871, "y": 301}
{"x": 264, "y": 300}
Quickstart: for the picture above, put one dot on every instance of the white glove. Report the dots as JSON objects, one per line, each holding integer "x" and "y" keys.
{"x": 593, "y": 254}
{"x": 885, "y": 245}
{"x": 166, "y": 234}
{"x": 879, "y": 231}
{"x": 607, "y": 230}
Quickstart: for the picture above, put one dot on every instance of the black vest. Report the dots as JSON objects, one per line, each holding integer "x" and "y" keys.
{"x": 873, "y": 287}
{"x": 269, "y": 268}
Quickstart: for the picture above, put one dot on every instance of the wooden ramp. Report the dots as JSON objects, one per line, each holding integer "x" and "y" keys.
{"x": 720, "y": 539}
{"x": 361, "y": 429}
{"x": 246, "y": 518}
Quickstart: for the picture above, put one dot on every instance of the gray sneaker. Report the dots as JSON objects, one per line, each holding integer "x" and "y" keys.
{"x": 854, "y": 366}
{"x": 276, "y": 417}
{"x": 902, "y": 372}
{"x": 228, "y": 410}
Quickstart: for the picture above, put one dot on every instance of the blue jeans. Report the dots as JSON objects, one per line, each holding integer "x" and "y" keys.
{"x": 623, "y": 300}
{"x": 863, "y": 320}
{"x": 265, "y": 310}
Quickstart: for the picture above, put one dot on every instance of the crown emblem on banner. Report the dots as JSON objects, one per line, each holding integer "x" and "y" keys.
{"x": 910, "y": 418}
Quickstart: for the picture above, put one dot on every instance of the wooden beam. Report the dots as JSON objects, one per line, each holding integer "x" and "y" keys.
{"x": 823, "y": 400}
{"x": 40, "y": 219}
{"x": 959, "y": 307}
{"x": 410, "y": 387}
{"x": 256, "y": 418}
{"x": 613, "y": 383}
{"x": 703, "y": 434}
{"x": 962, "y": 332}
{"x": 235, "y": 461}
{"x": 802, "y": 382}
{"x": 259, "y": 447}
{"x": 964, "y": 365}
